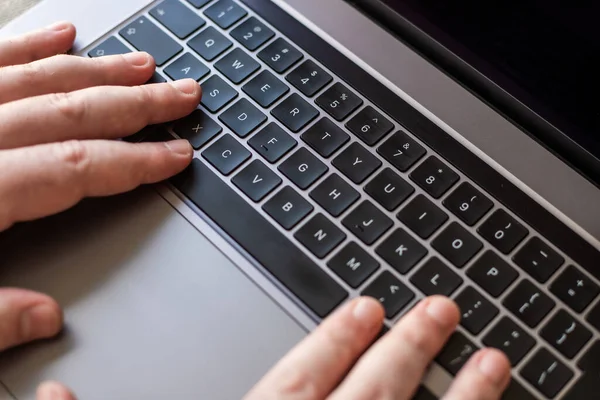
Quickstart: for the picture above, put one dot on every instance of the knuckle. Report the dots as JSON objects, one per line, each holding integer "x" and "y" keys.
{"x": 74, "y": 156}
{"x": 74, "y": 110}
{"x": 298, "y": 383}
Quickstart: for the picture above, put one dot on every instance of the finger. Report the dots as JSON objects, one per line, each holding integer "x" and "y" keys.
{"x": 395, "y": 365}
{"x": 26, "y": 316}
{"x": 42, "y": 180}
{"x": 314, "y": 367}
{"x": 47, "y": 42}
{"x": 64, "y": 73}
{"x": 484, "y": 377}
{"x": 93, "y": 113}
{"x": 54, "y": 391}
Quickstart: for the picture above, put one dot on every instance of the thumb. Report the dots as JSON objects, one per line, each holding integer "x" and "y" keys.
{"x": 54, "y": 391}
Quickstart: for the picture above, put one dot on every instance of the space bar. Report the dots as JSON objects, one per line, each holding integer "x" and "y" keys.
{"x": 260, "y": 238}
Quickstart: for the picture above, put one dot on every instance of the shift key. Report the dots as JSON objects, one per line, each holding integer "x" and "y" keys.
{"x": 145, "y": 36}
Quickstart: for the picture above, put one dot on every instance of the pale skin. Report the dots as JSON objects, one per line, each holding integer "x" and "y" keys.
{"x": 59, "y": 117}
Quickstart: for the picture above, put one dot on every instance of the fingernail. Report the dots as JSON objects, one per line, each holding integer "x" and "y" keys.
{"x": 367, "y": 310}
{"x": 494, "y": 366}
{"x": 40, "y": 321}
{"x": 137, "y": 59}
{"x": 181, "y": 147}
{"x": 186, "y": 86}
{"x": 59, "y": 26}
{"x": 443, "y": 311}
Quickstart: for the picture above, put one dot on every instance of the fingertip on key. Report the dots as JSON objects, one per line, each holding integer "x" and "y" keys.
{"x": 443, "y": 311}
{"x": 367, "y": 310}
{"x": 180, "y": 147}
{"x": 187, "y": 86}
{"x": 138, "y": 59}
{"x": 495, "y": 366}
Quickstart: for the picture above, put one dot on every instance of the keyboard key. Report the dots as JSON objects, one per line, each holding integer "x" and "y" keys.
{"x": 210, "y": 43}
{"x": 288, "y": 208}
{"x": 388, "y": 189}
{"x": 455, "y": 354}
{"x": 177, "y": 18}
{"x": 585, "y": 385}
{"x": 320, "y": 235}
{"x": 590, "y": 362}
{"x": 334, "y": 195}
{"x": 367, "y": 222}
{"x": 280, "y": 55}
{"x": 492, "y": 273}
{"x": 243, "y": 118}
{"x": 369, "y": 125}
{"x": 509, "y": 337}
{"x": 401, "y": 251}
{"x": 237, "y": 66}
{"x": 423, "y": 394}
{"x": 272, "y": 142}
{"x": 110, "y": 47}
{"x": 353, "y": 264}
{"x": 468, "y": 204}
{"x": 339, "y": 102}
{"x": 325, "y": 137}
{"x": 256, "y": 180}
{"x": 156, "y": 78}
{"x": 252, "y": 34}
{"x": 538, "y": 260}
{"x": 566, "y": 334}
{"x": 187, "y": 66}
{"x": 309, "y": 78}
{"x": 391, "y": 293}
{"x": 199, "y": 3}
{"x": 594, "y": 316}
{"x": 457, "y": 244}
{"x": 145, "y": 36}
{"x": 225, "y": 13}
{"x": 295, "y": 113}
{"x": 265, "y": 89}
{"x": 216, "y": 93}
{"x": 434, "y": 177}
{"x": 422, "y": 216}
{"x": 528, "y": 303}
{"x": 303, "y": 168}
{"x": 503, "y": 231}
{"x": 574, "y": 288}
{"x": 476, "y": 311}
{"x": 356, "y": 163}
{"x": 546, "y": 373}
{"x": 434, "y": 277}
{"x": 198, "y": 128}
{"x": 401, "y": 151}
{"x": 226, "y": 154}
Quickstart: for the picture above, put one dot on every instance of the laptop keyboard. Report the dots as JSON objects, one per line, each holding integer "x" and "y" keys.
{"x": 335, "y": 199}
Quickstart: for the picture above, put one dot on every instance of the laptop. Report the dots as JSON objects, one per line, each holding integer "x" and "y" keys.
{"x": 389, "y": 148}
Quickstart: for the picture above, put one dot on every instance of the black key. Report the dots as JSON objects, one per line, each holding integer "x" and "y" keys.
{"x": 282, "y": 258}
{"x": 423, "y": 394}
{"x": 367, "y": 222}
{"x": 198, "y": 128}
{"x": 369, "y": 125}
{"x": 303, "y": 168}
{"x": 457, "y": 351}
{"x": 226, "y": 154}
{"x": 457, "y": 244}
{"x": 256, "y": 180}
{"x": 320, "y": 236}
{"x": 516, "y": 391}
{"x": 590, "y": 362}
{"x": 339, "y": 102}
{"x": 145, "y": 36}
{"x": 356, "y": 163}
{"x": 594, "y": 316}
{"x": 391, "y": 293}
{"x": 265, "y": 89}
{"x": 492, "y": 273}
{"x": 225, "y": 13}
{"x": 187, "y": 66}
{"x": 401, "y": 251}
{"x": 156, "y": 135}
{"x": 388, "y": 189}
{"x": 509, "y": 337}
{"x": 434, "y": 177}
{"x": 538, "y": 259}
{"x": 566, "y": 334}
{"x": 528, "y": 303}
{"x": 503, "y": 231}
{"x": 288, "y": 208}
{"x": 243, "y": 118}
{"x": 334, "y": 195}
{"x": 110, "y": 47}
{"x": 468, "y": 204}
{"x": 434, "y": 277}
{"x": 199, "y": 3}
{"x": 476, "y": 311}
{"x": 177, "y": 18}
{"x": 272, "y": 142}
{"x": 210, "y": 43}
{"x": 295, "y": 113}
{"x": 237, "y": 65}
{"x": 546, "y": 373}
{"x": 401, "y": 151}
{"x": 574, "y": 288}
{"x": 353, "y": 264}
{"x": 252, "y": 34}
{"x": 280, "y": 55}
{"x": 216, "y": 93}
{"x": 325, "y": 137}
{"x": 156, "y": 78}
{"x": 422, "y": 216}
{"x": 583, "y": 388}
{"x": 309, "y": 78}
